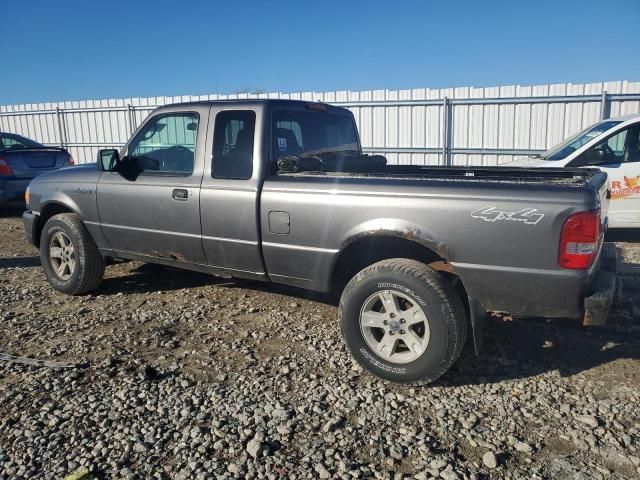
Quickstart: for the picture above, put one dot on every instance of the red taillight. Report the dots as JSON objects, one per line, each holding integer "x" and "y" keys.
{"x": 579, "y": 240}
{"x": 5, "y": 169}
{"x": 71, "y": 161}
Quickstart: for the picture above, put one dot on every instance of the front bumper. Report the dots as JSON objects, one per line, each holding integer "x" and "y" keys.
{"x": 29, "y": 220}
{"x": 605, "y": 289}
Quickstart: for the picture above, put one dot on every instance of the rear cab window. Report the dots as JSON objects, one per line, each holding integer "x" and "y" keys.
{"x": 305, "y": 133}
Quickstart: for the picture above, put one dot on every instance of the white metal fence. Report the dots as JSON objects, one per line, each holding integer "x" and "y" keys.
{"x": 452, "y": 126}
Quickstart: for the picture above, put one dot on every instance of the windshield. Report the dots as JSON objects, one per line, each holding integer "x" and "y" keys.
{"x": 571, "y": 144}
{"x": 305, "y": 133}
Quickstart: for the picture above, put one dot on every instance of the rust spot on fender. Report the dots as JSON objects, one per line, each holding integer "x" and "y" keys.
{"x": 412, "y": 234}
{"x": 442, "y": 266}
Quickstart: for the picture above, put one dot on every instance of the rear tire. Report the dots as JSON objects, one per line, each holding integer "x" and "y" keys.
{"x": 402, "y": 321}
{"x": 70, "y": 258}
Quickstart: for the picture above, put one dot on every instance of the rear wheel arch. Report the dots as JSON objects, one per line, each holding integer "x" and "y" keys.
{"x": 372, "y": 248}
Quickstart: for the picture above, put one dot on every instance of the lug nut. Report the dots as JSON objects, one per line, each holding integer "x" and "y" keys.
{"x": 390, "y": 332}
{"x": 402, "y": 320}
{"x": 385, "y": 322}
{"x": 401, "y": 332}
{"x": 392, "y": 315}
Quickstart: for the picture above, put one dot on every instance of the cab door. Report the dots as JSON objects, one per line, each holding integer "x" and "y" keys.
{"x": 230, "y": 195}
{"x": 150, "y": 207}
{"x": 619, "y": 156}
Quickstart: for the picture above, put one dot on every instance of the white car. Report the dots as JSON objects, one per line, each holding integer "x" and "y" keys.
{"x": 613, "y": 146}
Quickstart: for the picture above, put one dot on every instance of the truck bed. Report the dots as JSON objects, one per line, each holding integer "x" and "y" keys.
{"x": 555, "y": 176}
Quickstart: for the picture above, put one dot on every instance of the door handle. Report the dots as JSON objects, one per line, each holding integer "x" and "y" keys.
{"x": 180, "y": 194}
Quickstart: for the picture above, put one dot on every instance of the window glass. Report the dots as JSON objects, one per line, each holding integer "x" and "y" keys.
{"x": 11, "y": 142}
{"x": 313, "y": 133}
{"x": 571, "y": 144}
{"x": 616, "y": 143}
{"x": 166, "y": 144}
{"x": 233, "y": 144}
{"x": 623, "y": 147}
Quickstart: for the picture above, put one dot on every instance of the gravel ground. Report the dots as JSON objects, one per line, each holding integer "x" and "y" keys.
{"x": 189, "y": 376}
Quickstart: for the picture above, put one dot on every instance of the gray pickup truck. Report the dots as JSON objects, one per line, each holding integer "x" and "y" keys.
{"x": 280, "y": 191}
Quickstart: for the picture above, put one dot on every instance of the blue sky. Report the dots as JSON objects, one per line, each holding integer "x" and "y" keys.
{"x": 63, "y": 50}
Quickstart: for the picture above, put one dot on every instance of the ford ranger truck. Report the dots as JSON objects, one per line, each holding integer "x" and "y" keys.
{"x": 280, "y": 191}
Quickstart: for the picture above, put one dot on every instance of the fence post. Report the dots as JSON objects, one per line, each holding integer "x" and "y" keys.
{"x": 130, "y": 116}
{"x": 61, "y": 129}
{"x": 604, "y": 105}
{"x": 445, "y": 131}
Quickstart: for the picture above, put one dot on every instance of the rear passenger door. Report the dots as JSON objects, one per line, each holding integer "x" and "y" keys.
{"x": 151, "y": 206}
{"x": 230, "y": 191}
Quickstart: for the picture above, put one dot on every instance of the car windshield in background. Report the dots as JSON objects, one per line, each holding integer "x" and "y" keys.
{"x": 309, "y": 133}
{"x": 570, "y": 145}
{"x": 16, "y": 142}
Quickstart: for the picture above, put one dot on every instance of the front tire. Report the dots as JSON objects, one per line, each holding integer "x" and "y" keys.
{"x": 71, "y": 260}
{"x": 402, "y": 321}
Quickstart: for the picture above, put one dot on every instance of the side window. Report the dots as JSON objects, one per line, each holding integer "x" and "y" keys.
{"x": 622, "y": 147}
{"x": 13, "y": 141}
{"x": 632, "y": 152}
{"x": 8, "y": 142}
{"x": 616, "y": 144}
{"x": 233, "y": 144}
{"x": 166, "y": 145}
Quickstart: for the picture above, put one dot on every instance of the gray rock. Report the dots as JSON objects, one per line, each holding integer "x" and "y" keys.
{"x": 254, "y": 448}
{"x": 280, "y": 414}
{"x": 489, "y": 459}
{"x": 322, "y": 471}
{"x": 588, "y": 420}
{"x": 449, "y": 474}
{"x": 522, "y": 447}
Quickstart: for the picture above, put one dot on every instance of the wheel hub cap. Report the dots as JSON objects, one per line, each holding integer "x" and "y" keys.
{"x": 394, "y": 326}
{"x": 62, "y": 255}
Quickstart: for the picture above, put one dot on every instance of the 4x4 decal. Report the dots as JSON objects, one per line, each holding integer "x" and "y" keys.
{"x": 530, "y": 216}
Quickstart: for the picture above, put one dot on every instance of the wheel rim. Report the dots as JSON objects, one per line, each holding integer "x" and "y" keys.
{"x": 62, "y": 256}
{"x": 394, "y": 326}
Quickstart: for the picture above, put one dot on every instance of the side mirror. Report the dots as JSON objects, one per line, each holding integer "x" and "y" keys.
{"x": 108, "y": 159}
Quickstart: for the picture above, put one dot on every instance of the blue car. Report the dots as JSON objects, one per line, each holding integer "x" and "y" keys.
{"x": 21, "y": 160}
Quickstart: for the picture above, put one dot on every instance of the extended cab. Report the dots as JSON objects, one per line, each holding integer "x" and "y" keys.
{"x": 280, "y": 191}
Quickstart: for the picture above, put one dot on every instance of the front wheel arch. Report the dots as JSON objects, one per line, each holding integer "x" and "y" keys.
{"x": 46, "y": 212}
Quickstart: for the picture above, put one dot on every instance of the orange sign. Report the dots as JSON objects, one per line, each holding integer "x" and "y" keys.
{"x": 630, "y": 188}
